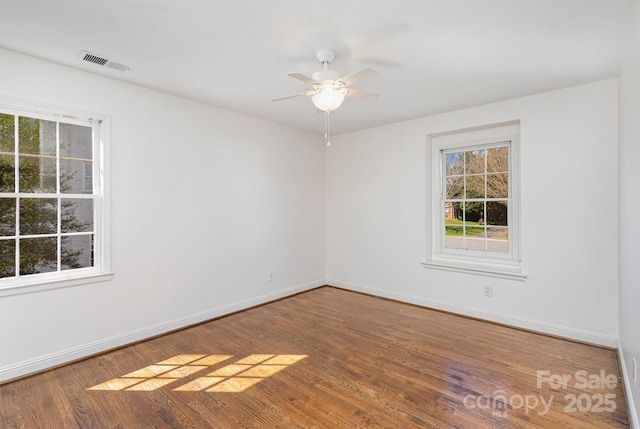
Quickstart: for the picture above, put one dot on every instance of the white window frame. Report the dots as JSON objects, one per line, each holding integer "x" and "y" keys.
{"x": 503, "y": 265}
{"x": 101, "y": 271}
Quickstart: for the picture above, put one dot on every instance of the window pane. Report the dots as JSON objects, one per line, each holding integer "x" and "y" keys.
{"x": 474, "y": 213}
{"x": 454, "y": 163}
{"x": 7, "y": 217}
{"x": 497, "y": 213}
{"x": 7, "y": 258}
{"x": 7, "y": 133}
{"x": 38, "y": 255}
{"x": 88, "y": 177}
{"x": 475, "y": 186}
{"x": 498, "y": 239}
{"x": 7, "y": 173}
{"x": 498, "y": 160}
{"x": 37, "y": 174}
{"x": 36, "y": 136}
{"x": 498, "y": 185}
{"x": 454, "y": 237}
{"x": 454, "y": 229}
{"x": 72, "y": 176}
{"x": 474, "y": 161}
{"x": 38, "y": 216}
{"x": 475, "y": 231}
{"x": 76, "y": 142}
{"x": 76, "y": 151}
{"x": 475, "y": 239}
{"x": 453, "y": 213}
{"x": 77, "y": 215}
{"x": 455, "y": 187}
{"x": 77, "y": 252}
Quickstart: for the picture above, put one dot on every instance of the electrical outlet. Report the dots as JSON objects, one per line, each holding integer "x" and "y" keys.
{"x": 488, "y": 290}
{"x": 270, "y": 277}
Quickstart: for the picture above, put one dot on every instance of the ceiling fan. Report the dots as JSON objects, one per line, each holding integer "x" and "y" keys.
{"x": 329, "y": 89}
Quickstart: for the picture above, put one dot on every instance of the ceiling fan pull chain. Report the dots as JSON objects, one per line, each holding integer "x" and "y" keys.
{"x": 326, "y": 127}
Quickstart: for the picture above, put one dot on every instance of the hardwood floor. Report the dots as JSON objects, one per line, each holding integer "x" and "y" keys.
{"x": 330, "y": 358}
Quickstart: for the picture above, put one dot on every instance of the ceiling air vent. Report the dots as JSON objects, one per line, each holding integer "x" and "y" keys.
{"x": 102, "y": 61}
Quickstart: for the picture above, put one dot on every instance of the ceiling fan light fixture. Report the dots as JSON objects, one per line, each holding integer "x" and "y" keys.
{"x": 329, "y": 89}
{"x": 328, "y": 99}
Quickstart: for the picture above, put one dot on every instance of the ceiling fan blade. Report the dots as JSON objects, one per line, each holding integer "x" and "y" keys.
{"x": 300, "y": 76}
{"x": 286, "y": 97}
{"x": 362, "y": 95}
{"x": 300, "y": 94}
{"x": 358, "y": 76}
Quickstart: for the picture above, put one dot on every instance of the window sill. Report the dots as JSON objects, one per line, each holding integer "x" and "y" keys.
{"x": 500, "y": 271}
{"x": 45, "y": 285}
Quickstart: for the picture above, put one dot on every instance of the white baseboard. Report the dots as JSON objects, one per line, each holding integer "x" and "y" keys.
{"x": 533, "y": 325}
{"x": 40, "y": 363}
{"x": 631, "y": 409}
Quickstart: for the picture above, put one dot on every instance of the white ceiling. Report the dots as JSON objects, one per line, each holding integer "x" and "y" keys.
{"x": 431, "y": 55}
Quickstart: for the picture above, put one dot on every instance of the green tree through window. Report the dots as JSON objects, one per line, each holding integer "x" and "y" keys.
{"x": 44, "y": 219}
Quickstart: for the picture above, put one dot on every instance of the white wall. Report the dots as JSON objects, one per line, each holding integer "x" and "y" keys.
{"x": 205, "y": 203}
{"x": 630, "y": 207}
{"x": 377, "y": 203}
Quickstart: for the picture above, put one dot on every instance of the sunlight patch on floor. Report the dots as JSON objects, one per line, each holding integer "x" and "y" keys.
{"x": 233, "y": 377}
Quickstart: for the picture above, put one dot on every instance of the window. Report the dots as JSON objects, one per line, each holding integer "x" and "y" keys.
{"x": 475, "y": 205}
{"x": 476, "y": 198}
{"x": 51, "y": 198}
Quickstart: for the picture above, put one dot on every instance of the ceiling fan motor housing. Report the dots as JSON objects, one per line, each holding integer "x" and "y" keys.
{"x": 322, "y": 75}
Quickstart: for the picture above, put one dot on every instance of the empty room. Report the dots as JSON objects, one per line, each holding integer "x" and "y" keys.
{"x": 347, "y": 214}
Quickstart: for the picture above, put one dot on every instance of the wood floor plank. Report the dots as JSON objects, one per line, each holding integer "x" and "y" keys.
{"x": 328, "y": 358}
